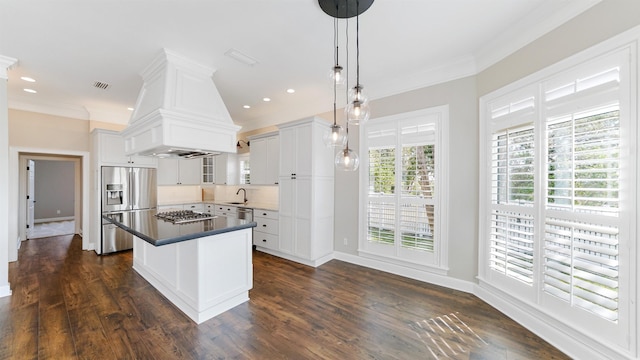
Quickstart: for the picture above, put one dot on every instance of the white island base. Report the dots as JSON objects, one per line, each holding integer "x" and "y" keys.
{"x": 203, "y": 277}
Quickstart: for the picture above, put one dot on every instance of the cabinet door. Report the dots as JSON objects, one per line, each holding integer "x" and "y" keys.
{"x": 208, "y": 170}
{"x": 273, "y": 160}
{"x": 146, "y": 161}
{"x": 302, "y": 219}
{"x": 227, "y": 172}
{"x": 112, "y": 149}
{"x": 167, "y": 171}
{"x": 304, "y": 157}
{"x": 189, "y": 171}
{"x": 287, "y": 215}
{"x": 287, "y": 152}
{"x": 259, "y": 161}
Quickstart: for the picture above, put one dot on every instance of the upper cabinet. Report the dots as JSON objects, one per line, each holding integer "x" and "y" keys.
{"x": 302, "y": 150}
{"x": 265, "y": 159}
{"x": 172, "y": 171}
{"x": 108, "y": 148}
{"x": 226, "y": 169}
{"x": 208, "y": 170}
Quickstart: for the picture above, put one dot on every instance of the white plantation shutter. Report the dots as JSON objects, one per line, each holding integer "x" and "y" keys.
{"x": 511, "y": 223}
{"x": 559, "y": 194}
{"x": 511, "y": 245}
{"x": 403, "y": 184}
{"x": 583, "y": 163}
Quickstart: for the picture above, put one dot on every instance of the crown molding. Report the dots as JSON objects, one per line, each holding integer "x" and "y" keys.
{"x": 5, "y": 64}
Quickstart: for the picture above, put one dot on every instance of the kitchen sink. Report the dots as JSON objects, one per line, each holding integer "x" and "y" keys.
{"x": 235, "y": 203}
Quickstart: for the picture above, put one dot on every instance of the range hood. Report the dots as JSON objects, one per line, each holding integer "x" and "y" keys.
{"x": 179, "y": 112}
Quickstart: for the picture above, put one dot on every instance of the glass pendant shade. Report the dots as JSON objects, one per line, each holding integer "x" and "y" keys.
{"x": 336, "y": 136}
{"x": 356, "y": 94}
{"x": 357, "y": 112}
{"x": 347, "y": 160}
{"x": 336, "y": 75}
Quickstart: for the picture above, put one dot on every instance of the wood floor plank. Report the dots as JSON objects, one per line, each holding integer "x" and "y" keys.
{"x": 71, "y": 303}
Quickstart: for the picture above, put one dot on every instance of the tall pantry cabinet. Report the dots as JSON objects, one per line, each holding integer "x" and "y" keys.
{"x": 306, "y": 192}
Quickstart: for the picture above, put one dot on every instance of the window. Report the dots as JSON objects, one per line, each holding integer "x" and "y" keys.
{"x": 559, "y": 159}
{"x": 245, "y": 169}
{"x": 404, "y": 172}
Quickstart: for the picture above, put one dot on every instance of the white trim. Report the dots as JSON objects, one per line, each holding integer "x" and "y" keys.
{"x": 5, "y": 291}
{"x": 556, "y": 332}
{"x": 14, "y": 186}
{"x": 438, "y": 260}
{"x": 5, "y": 64}
{"x": 303, "y": 261}
{"x": 411, "y": 273}
{"x": 46, "y": 220}
{"x": 526, "y": 32}
{"x": 578, "y": 341}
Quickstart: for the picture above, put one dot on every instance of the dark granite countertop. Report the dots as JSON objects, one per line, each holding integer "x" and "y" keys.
{"x": 157, "y": 232}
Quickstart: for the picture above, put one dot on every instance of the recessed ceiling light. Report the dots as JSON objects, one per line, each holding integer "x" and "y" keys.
{"x": 266, "y": 99}
{"x": 246, "y": 106}
{"x": 28, "y": 79}
{"x": 291, "y": 91}
{"x": 130, "y": 108}
{"x": 30, "y": 91}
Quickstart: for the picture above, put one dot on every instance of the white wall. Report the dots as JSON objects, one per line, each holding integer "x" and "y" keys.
{"x": 5, "y": 289}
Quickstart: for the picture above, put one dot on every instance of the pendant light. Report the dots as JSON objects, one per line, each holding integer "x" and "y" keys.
{"x": 358, "y": 109}
{"x": 336, "y": 137}
{"x": 347, "y": 159}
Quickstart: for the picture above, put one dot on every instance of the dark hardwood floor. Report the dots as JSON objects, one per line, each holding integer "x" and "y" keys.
{"x": 68, "y": 304}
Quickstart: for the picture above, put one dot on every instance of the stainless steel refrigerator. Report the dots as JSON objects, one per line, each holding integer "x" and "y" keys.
{"x": 125, "y": 192}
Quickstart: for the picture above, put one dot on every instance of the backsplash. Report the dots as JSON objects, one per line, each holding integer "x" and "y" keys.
{"x": 168, "y": 195}
{"x": 255, "y": 193}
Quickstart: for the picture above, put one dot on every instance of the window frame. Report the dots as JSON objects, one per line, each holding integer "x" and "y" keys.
{"x": 622, "y": 333}
{"x": 436, "y": 261}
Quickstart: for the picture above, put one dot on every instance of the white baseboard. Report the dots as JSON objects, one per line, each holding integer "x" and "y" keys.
{"x": 407, "y": 272}
{"x": 557, "y": 333}
{"x": 64, "y": 218}
{"x": 5, "y": 291}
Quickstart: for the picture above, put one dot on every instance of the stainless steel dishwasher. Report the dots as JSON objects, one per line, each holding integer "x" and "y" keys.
{"x": 245, "y": 213}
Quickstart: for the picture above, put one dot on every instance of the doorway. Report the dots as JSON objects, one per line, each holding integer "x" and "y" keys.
{"x": 18, "y": 191}
{"x": 50, "y": 196}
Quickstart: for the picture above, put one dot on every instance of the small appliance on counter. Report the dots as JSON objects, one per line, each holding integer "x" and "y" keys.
{"x": 125, "y": 192}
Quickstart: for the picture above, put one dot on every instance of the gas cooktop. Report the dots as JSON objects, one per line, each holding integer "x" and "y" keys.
{"x": 184, "y": 216}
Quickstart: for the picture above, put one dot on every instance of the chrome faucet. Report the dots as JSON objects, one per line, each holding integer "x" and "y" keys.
{"x": 245, "y": 194}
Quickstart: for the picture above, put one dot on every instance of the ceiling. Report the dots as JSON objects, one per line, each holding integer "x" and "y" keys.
{"x": 67, "y": 46}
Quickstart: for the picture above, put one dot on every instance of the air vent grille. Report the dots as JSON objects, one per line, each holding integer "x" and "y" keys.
{"x": 101, "y": 85}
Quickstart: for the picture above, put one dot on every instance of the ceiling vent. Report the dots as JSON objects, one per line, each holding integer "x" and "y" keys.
{"x": 100, "y": 85}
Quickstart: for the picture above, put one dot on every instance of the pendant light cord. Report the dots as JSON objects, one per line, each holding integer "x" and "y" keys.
{"x": 335, "y": 43}
{"x": 357, "y": 42}
{"x": 347, "y": 78}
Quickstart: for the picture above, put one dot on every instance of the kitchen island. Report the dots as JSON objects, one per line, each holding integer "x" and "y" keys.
{"x": 204, "y": 267}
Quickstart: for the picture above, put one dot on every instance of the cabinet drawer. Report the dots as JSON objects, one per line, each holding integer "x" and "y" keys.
{"x": 268, "y": 226}
{"x": 194, "y": 207}
{"x": 269, "y": 214}
{"x": 265, "y": 240}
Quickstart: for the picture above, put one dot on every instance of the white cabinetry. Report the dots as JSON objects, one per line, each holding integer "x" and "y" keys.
{"x": 172, "y": 171}
{"x": 110, "y": 145}
{"x": 265, "y": 159}
{"x": 306, "y": 192}
{"x": 208, "y": 170}
{"x": 226, "y": 210}
{"x": 265, "y": 234}
{"x": 226, "y": 166}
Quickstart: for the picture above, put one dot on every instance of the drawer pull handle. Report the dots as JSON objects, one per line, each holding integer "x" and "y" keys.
{"x": 264, "y": 240}
{"x": 264, "y": 214}
{"x": 264, "y": 225}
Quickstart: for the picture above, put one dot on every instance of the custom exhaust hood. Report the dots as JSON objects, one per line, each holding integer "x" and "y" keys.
{"x": 179, "y": 112}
